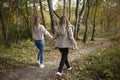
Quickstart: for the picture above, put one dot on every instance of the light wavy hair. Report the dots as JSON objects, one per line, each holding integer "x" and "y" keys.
{"x": 63, "y": 23}
{"x": 36, "y": 21}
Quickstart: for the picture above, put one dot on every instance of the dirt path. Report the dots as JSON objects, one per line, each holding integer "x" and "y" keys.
{"x": 33, "y": 72}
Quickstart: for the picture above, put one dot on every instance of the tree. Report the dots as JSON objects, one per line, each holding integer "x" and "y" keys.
{"x": 77, "y": 18}
{"x": 34, "y": 7}
{"x": 41, "y": 11}
{"x": 81, "y": 14}
{"x": 17, "y": 26}
{"x": 64, "y": 7}
{"x": 4, "y": 27}
{"x": 27, "y": 20}
{"x": 51, "y": 15}
{"x": 86, "y": 26}
{"x": 94, "y": 24}
{"x": 70, "y": 10}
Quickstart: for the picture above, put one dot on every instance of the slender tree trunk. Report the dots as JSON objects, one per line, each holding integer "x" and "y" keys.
{"x": 77, "y": 9}
{"x": 4, "y": 28}
{"x": 8, "y": 18}
{"x": 51, "y": 16}
{"x": 27, "y": 20}
{"x": 77, "y": 18}
{"x": 70, "y": 10}
{"x": 107, "y": 17}
{"x": 17, "y": 25}
{"x": 23, "y": 14}
{"x": 34, "y": 7}
{"x": 9, "y": 13}
{"x": 56, "y": 14}
{"x": 115, "y": 21}
{"x": 94, "y": 24}
{"x": 41, "y": 11}
{"x": 64, "y": 7}
{"x": 81, "y": 14}
{"x": 101, "y": 22}
{"x": 87, "y": 18}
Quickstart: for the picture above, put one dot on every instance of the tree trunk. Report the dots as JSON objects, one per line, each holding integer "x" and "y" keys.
{"x": 64, "y": 7}
{"x": 8, "y": 18}
{"x": 4, "y": 29}
{"x": 17, "y": 26}
{"x": 51, "y": 16}
{"x": 41, "y": 11}
{"x": 94, "y": 24}
{"x": 86, "y": 27}
{"x": 28, "y": 21}
{"x": 81, "y": 14}
{"x": 108, "y": 17}
{"x": 34, "y": 7}
{"x": 101, "y": 22}
{"x": 56, "y": 14}
{"x": 77, "y": 18}
{"x": 70, "y": 10}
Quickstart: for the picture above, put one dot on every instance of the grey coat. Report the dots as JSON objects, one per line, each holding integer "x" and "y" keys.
{"x": 67, "y": 40}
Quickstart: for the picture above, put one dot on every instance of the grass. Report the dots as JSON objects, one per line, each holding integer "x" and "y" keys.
{"x": 102, "y": 65}
{"x": 19, "y": 55}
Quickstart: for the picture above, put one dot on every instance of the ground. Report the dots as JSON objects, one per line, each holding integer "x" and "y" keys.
{"x": 33, "y": 72}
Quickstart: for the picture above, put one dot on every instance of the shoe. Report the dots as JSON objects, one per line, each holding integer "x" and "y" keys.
{"x": 38, "y": 62}
{"x": 69, "y": 69}
{"x": 59, "y": 74}
{"x": 42, "y": 65}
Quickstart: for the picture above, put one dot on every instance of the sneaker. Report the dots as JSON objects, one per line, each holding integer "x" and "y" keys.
{"x": 38, "y": 62}
{"x": 69, "y": 69}
{"x": 42, "y": 65}
{"x": 59, "y": 74}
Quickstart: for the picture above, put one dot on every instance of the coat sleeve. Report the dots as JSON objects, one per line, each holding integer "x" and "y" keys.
{"x": 71, "y": 37}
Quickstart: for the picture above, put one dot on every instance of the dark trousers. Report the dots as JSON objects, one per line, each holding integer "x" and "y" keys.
{"x": 64, "y": 58}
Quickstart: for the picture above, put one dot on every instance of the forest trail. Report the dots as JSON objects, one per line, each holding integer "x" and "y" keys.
{"x": 33, "y": 72}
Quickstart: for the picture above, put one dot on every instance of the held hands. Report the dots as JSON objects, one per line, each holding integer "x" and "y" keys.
{"x": 75, "y": 47}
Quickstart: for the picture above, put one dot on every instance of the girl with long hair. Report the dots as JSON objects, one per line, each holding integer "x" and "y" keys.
{"x": 38, "y": 32}
{"x": 64, "y": 41}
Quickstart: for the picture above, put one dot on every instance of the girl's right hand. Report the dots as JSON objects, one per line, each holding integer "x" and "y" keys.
{"x": 75, "y": 47}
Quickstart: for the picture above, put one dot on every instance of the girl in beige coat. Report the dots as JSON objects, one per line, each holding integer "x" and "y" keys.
{"x": 64, "y": 40}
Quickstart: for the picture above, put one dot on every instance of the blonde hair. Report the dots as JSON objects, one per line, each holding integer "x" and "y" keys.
{"x": 62, "y": 26}
{"x": 36, "y": 21}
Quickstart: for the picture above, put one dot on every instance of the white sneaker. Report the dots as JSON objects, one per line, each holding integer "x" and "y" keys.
{"x": 38, "y": 62}
{"x": 42, "y": 65}
{"x": 59, "y": 74}
{"x": 69, "y": 69}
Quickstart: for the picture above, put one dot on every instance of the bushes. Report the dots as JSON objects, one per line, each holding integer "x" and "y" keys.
{"x": 99, "y": 66}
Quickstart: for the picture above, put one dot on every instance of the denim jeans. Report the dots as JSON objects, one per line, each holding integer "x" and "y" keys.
{"x": 64, "y": 58}
{"x": 40, "y": 45}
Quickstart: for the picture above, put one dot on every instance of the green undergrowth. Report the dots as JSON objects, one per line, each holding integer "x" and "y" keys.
{"x": 19, "y": 55}
{"x": 102, "y": 65}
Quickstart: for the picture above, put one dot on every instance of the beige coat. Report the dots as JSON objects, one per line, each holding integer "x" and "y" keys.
{"x": 67, "y": 40}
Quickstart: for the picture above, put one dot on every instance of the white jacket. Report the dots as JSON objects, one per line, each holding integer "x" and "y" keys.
{"x": 39, "y": 32}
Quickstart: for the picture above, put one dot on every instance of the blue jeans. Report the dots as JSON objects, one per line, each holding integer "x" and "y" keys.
{"x": 40, "y": 45}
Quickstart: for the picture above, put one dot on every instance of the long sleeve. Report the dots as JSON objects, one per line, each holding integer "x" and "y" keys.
{"x": 46, "y": 33}
{"x": 71, "y": 37}
{"x": 55, "y": 35}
